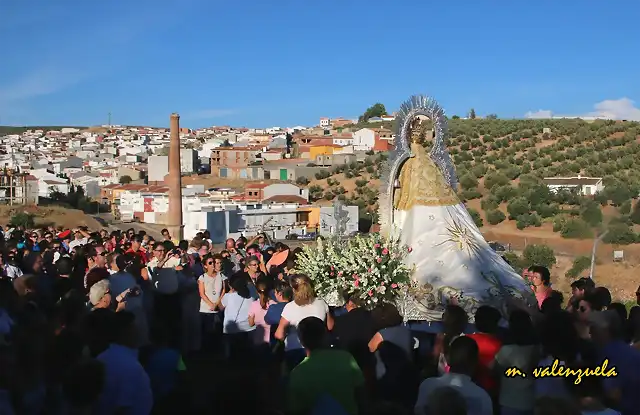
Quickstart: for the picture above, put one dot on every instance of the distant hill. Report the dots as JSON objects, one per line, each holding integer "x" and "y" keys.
{"x": 6, "y": 129}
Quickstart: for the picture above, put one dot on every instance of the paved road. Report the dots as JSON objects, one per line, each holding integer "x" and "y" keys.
{"x": 107, "y": 220}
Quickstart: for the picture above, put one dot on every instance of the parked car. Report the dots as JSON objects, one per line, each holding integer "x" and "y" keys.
{"x": 498, "y": 247}
{"x": 311, "y": 236}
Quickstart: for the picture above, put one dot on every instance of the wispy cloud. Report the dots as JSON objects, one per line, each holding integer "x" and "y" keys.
{"x": 54, "y": 72}
{"x": 539, "y": 114}
{"x": 44, "y": 80}
{"x": 210, "y": 113}
{"x": 614, "y": 109}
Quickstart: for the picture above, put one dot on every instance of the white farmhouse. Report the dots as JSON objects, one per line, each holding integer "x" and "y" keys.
{"x": 586, "y": 186}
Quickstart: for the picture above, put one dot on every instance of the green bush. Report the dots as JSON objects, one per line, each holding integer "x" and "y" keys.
{"x": 495, "y": 179}
{"x": 576, "y": 228}
{"x": 528, "y": 219}
{"x": 625, "y": 208}
{"x": 580, "y": 264}
{"x": 477, "y": 219}
{"x": 558, "y": 223}
{"x": 26, "y": 220}
{"x": 468, "y": 182}
{"x": 538, "y": 255}
{"x": 489, "y": 203}
{"x": 591, "y": 213}
{"x": 470, "y": 194}
{"x": 495, "y": 216}
{"x": 620, "y": 234}
{"x": 635, "y": 215}
{"x": 517, "y": 207}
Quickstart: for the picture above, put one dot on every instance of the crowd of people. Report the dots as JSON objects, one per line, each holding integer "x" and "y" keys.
{"x": 120, "y": 323}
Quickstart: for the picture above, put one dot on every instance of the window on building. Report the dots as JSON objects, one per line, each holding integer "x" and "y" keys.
{"x": 302, "y": 216}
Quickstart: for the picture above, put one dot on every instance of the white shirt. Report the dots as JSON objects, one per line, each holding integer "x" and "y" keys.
{"x": 236, "y": 313}
{"x": 477, "y": 399}
{"x": 212, "y": 288}
{"x": 295, "y": 313}
{"x": 11, "y": 271}
{"x": 78, "y": 242}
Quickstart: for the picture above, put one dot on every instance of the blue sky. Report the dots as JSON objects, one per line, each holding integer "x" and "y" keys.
{"x": 288, "y": 62}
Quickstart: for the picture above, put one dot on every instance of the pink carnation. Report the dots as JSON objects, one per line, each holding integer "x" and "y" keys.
{"x": 385, "y": 251}
{"x": 409, "y": 249}
{"x": 379, "y": 260}
{"x": 369, "y": 270}
{"x": 355, "y": 276}
{"x": 339, "y": 273}
{"x": 370, "y": 293}
{"x": 394, "y": 285}
{"x": 376, "y": 246}
{"x": 356, "y": 283}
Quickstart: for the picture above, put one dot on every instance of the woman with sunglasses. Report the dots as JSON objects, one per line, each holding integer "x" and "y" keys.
{"x": 212, "y": 288}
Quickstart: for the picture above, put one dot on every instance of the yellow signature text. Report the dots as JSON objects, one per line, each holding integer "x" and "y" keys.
{"x": 556, "y": 370}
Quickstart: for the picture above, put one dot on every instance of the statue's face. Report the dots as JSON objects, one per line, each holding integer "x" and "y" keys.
{"x": 421, "y": 128}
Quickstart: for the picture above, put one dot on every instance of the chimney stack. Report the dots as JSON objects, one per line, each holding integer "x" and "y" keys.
{"x": 175, "y": 225}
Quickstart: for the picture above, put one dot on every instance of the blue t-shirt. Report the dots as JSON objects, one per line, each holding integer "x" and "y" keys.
{"x": 163, "y": 367}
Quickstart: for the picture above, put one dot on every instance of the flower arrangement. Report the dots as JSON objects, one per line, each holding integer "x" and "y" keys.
{"x": 370, "y": 265}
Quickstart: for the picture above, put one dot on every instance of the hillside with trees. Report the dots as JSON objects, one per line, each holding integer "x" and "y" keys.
{"x": 501, "y": 164}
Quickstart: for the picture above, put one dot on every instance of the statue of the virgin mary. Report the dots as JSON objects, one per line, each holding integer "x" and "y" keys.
{"x": 419, "y": 205}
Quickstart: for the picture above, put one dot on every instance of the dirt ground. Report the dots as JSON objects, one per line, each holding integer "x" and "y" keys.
{"x": 56, "y": 216}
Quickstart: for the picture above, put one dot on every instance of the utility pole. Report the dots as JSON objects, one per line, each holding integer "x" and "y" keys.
{"x": 593, "y": 252}
{"x": 109, "y": 119}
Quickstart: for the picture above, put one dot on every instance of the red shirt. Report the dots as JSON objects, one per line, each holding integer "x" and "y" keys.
{"x": 140, "y": 254}
{"x": 488, "y": 347}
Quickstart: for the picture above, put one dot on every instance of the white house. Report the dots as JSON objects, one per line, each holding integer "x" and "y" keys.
{"x": 586, "y": 186}
{"x": 364, "y": 139}
{"x": 325, "y": 122}
{"x": 50, "y": 184}
{"x": 343, "y": 140}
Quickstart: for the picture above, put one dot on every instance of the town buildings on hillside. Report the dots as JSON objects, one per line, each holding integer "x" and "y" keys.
{"x": 126, "y": 168}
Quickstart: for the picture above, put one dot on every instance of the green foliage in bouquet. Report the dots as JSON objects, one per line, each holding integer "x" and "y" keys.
{"x": 369, "y": 265}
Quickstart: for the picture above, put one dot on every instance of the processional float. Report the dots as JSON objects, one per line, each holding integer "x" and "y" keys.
{"x": 418, "y": 204}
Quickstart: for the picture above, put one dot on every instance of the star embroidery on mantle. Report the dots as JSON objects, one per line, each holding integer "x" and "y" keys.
{"x": 460, "y": 237}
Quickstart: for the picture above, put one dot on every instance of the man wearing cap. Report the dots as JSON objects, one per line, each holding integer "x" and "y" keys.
{"x": 607, "y": 332}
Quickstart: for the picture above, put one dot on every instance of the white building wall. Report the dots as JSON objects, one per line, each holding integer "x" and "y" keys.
{"x": 364, "y": 140}
{"x": 188, "y": 160}
{"x": 158, "y": 168}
